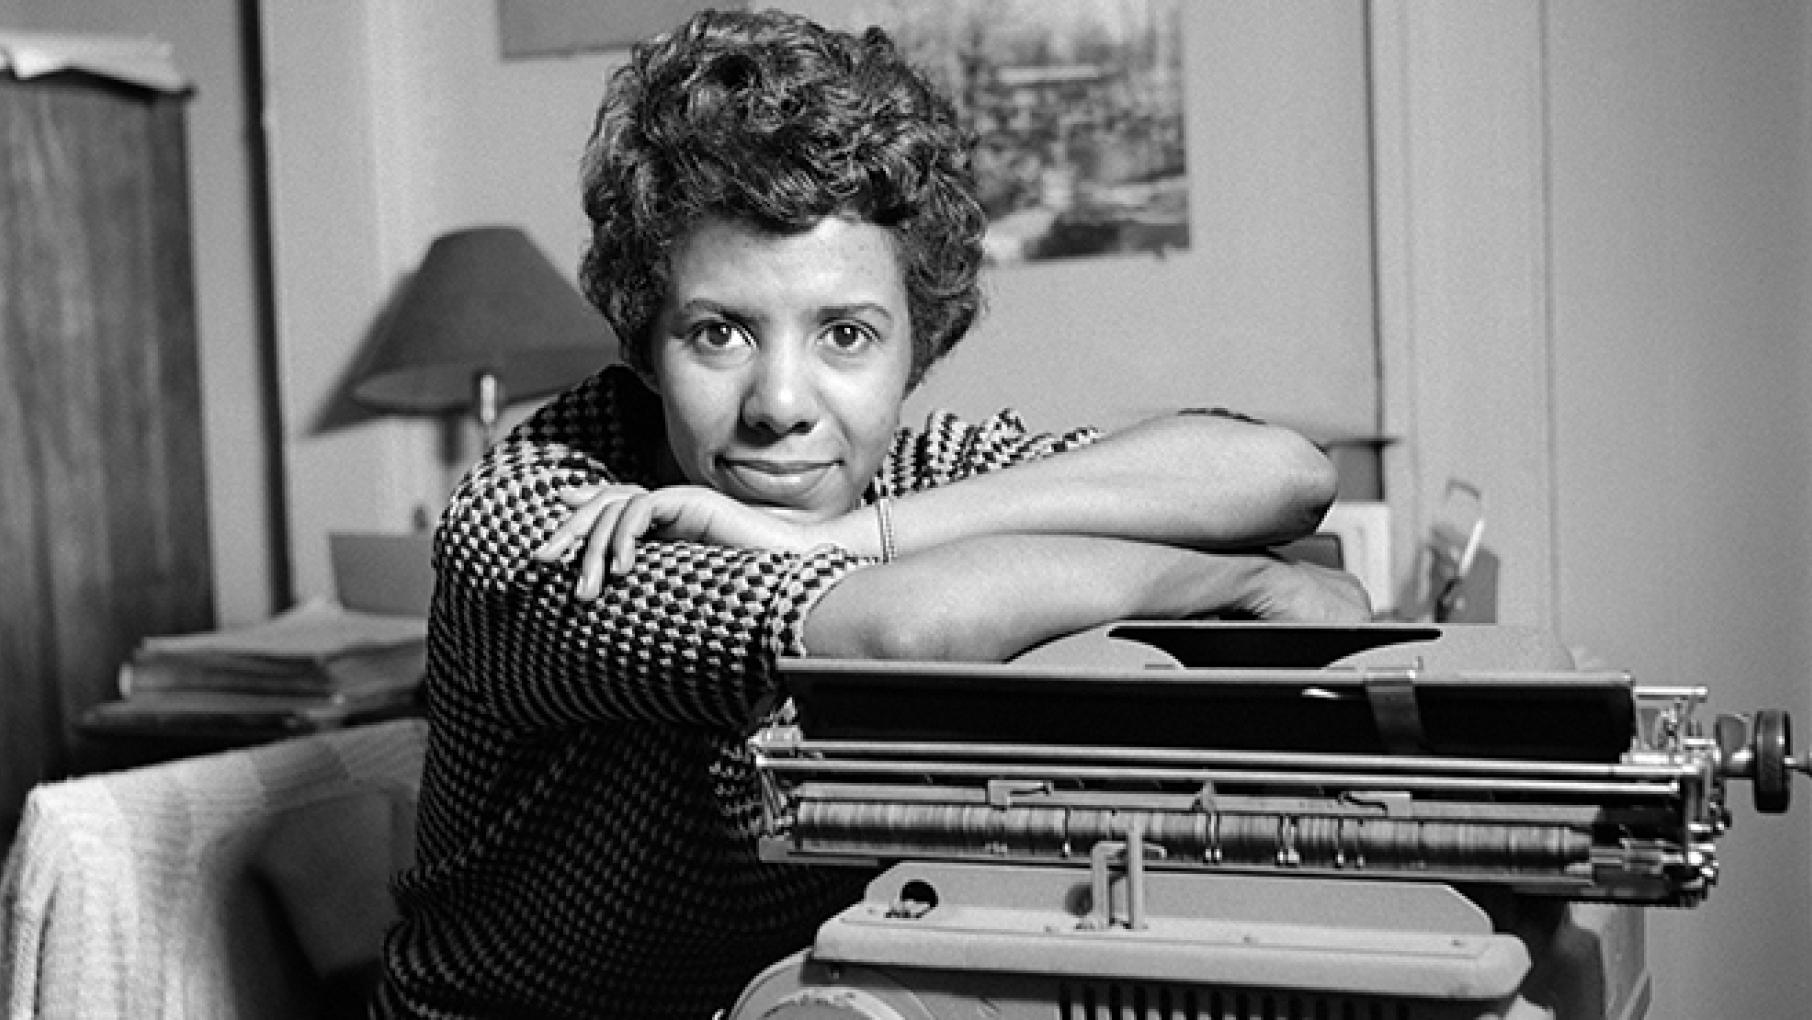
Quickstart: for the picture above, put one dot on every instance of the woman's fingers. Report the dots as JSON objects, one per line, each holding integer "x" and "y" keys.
{"x": 589, "y": 503}
{"x": 608, "y": 521}
{"x": 577, "y": 495}
{"x": 634, "y": 521}
{"x": 1307, "y": 593}
{"x": 563, "y": 537}
{"x": 600, "y": 558}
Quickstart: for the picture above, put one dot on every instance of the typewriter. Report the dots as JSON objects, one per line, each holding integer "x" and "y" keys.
{"x": 1222, "y": 821}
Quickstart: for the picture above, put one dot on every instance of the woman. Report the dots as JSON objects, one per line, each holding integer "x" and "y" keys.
{"x": 785, "y": 237}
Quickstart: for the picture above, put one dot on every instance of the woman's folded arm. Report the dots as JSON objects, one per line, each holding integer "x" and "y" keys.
{"x": 687, "y": 633}
{"x": 987, "y": 599}
{"x": 1199, "y": 481}
{"x": 1195, "y": 481}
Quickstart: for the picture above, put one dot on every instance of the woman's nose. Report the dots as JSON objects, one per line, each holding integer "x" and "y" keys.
{"x": 781, "y": 396}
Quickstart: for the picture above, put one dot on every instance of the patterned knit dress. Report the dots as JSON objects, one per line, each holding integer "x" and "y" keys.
{"x": 586, "y": 843}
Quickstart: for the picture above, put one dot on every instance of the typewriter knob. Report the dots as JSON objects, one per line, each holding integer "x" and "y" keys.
{"x": 1772, "y": 745}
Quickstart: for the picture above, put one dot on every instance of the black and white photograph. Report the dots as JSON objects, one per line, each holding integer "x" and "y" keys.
{"x": 905, "y": 509}
{"x": 1079, "y": 108}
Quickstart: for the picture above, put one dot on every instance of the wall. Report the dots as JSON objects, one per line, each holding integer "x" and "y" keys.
{"x": 1270, "y": 309}
{"x": 1684, "y": 433}
{"x": 206, "y": 36}
{"x": 1463, "y": 270}
{"x": 1603, "y": 207}
{"x": 329, "y": 94}
{"x": 392, "y": 122}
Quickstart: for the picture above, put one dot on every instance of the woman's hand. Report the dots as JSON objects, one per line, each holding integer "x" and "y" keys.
{"x": 1303, "y": 593}
{"x": 610, "y": 519}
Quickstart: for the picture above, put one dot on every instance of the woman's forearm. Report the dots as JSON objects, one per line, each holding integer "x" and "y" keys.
{"x": 1194, "y": 481}
{"x": 684, "y": 633}
{"x": 987, "y": 599}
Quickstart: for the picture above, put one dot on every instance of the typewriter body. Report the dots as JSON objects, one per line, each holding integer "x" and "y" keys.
{"x": 1218, "y": 821}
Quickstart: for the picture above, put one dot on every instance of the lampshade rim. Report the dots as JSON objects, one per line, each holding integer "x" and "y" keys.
{"x": 484, "y": 299}
{"x": 451, "y": 386}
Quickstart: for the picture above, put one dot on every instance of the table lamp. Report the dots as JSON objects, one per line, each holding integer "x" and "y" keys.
{"x": 486, "y": 319}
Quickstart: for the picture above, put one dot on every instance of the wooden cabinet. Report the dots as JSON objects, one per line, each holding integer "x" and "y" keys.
{"x": 103, "y": 508}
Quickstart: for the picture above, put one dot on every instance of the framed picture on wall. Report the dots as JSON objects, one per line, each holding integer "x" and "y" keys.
{"x": 1078, "y": 105}
{"x": 544, "y": 28}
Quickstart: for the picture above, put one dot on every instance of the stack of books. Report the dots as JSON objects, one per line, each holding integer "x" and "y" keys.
{"x": 318, "y": 666}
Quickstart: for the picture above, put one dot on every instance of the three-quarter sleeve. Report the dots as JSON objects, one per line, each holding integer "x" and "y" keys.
{"x": 949, "y": 449}
{"x": 689, "y": 634}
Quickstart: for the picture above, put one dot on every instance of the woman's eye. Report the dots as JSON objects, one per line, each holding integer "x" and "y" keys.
{"x": 716, "y": 336}
{"x": 849, "y": 337}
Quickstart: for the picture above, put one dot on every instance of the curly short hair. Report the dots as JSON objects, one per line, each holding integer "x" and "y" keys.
{"x": 771, "y": 119}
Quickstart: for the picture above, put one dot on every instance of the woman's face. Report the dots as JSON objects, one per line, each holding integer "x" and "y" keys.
{"x": 782, "y": 360}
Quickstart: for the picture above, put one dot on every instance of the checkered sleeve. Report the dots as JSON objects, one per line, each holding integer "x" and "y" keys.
{"x": 689, "y": 635}
{"x": 949, "y": 449}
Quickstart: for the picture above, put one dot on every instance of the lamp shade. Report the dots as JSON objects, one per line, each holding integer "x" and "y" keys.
{"x": 487, "y": 305}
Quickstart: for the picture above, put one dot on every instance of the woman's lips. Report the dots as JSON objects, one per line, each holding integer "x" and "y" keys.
{"x": 778, "y": 481}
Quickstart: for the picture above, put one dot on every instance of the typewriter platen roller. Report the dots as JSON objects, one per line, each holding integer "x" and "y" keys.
{"x": 1199, "y": 820}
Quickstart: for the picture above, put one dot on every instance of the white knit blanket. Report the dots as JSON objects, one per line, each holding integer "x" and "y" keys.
{"x": 118, "y": 897}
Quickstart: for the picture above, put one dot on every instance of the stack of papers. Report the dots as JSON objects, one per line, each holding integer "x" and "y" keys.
{"x": 309, "y": 668}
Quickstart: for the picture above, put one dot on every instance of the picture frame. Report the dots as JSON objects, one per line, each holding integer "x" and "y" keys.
{"x": 548, "y": 28}
{"x": 1078, "y": 106}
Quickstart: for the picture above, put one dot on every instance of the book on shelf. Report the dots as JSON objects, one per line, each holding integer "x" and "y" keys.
{"x": 317, "y": 650}
{"x": 229, "y": 711}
